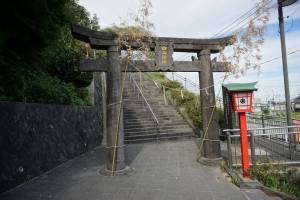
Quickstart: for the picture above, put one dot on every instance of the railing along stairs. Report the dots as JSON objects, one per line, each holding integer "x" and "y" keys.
{"x": 140, "y": 94}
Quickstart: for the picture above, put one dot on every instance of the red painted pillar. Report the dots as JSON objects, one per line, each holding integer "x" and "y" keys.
{"x": 244, "y": 144}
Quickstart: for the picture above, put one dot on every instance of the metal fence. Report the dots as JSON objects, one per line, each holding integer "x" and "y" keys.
{"x": 266, "y": 145}
{"x": 262, "y": 121}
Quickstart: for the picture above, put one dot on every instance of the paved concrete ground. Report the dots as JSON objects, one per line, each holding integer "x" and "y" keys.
{"x": 163, "y": 171}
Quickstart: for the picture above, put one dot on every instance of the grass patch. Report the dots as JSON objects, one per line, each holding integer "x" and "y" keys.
{"x": 296, "y": 115}
{"x": 279, "y": 177}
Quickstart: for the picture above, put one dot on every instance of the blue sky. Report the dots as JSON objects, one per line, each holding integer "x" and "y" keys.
{"x": 202, "y": 19}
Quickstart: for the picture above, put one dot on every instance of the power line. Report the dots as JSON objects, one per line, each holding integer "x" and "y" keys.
{"x": 292, "y": 18}
{"x": 249, "y": 11}
{"x": 220, "y": 33}
{"x": 226, "y": 27}
{"x": 295, "y": 11}
{"x": 245, "y": 23}
{"x": 276, "y": 58}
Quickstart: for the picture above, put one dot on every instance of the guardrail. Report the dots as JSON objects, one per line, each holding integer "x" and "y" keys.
{"x": 277, "y": 145}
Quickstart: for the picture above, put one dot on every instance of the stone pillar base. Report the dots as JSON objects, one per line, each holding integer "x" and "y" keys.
{"x": 210, "y": 161}
{"x": 106, "y": 172}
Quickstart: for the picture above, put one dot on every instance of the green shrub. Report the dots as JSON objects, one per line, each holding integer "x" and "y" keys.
{"x": 279, "y": 177}
{"x": 43, "y": 88}
{"x": 157, "y": 76}
{"x": 40, "y": 87}
{"x": 39, "y": 58}
{"x": 221, "y": 116}
{"x": 265, "y": 111}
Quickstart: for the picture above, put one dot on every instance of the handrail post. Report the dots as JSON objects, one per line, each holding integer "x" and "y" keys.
{"x": 165, "y": 99}
{"x": 158, "y": 134}
{"x": 264, "y": 125}
{"x": 292, "y": 142}
{"x": 141, "y": 84}
{"x": 229, "y": 152}
{"x": 252, "y": 147}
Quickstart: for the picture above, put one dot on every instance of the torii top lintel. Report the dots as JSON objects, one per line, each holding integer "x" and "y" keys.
{"x": 102, "y": 40}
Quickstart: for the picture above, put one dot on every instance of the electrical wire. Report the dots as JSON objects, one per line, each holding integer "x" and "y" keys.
{"x": 276, "y": 58}
{"x": 226, "y": 27}
{"x": 253, "y": 13}
{"x": 294, "y": 12}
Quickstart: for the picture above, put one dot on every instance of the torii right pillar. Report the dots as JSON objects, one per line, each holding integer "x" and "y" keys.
{"x": 211, "y": 150}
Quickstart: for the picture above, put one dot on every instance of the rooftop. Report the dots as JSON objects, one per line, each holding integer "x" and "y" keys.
{"x": 240, "y": 86}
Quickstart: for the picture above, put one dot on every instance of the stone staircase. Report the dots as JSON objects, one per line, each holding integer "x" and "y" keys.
{"x": 139, "y": 123}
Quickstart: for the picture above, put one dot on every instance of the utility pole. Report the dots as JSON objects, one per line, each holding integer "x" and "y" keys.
{"x": 281, "y": 4}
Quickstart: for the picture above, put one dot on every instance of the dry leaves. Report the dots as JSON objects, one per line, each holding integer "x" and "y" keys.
{"x": 247, "y": 42}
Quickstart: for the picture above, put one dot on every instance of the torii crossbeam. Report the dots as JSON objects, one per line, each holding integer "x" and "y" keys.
{"x": 163, "y": 48}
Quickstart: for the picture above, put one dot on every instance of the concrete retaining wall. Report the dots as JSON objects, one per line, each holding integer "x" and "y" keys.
{"x": 37, "y": 137}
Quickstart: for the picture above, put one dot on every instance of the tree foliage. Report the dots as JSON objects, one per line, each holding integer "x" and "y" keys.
{"x": 39, "y": 58}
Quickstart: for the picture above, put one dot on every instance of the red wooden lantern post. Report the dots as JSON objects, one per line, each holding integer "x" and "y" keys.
{"x": 241, "y": 95}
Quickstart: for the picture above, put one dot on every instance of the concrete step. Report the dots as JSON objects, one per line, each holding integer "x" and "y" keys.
{"x": 145, "y": 90}
{"x": 151, "y": 119}
{"x": 159, "y": 138}
{"x": 161, "y": 120}
{"x": 147, "y": 112}
{"x": 135, "y": 100}
{"x": 144, "y": 109}
{"x": 139, "y": 124}
{"x": 147, "y": 115}
{"x": 154, "y": 124}
{"x": 154, "y": 106}
{"x": 157, "y": 109}
{"x": 150, "y": 116}
{"x": 132, "y": 103}
{"x": 155, "y": 131}
{"x": 158, "y": 133}
{"x": 160, "y": 127}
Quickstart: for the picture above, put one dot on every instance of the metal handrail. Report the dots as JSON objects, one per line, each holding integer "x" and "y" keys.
{"x": 144, "y": 98}
{"x": 271, "y": 145}
{"x": 267, "y": 128}
{"x": 278, "y": 118}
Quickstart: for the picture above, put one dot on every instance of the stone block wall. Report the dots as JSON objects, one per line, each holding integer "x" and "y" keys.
{"x": 37, "y": 137}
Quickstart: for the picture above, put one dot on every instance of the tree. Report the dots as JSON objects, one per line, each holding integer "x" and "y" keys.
{"x": 265, "y": 111}
{"x": 36, "y": 43}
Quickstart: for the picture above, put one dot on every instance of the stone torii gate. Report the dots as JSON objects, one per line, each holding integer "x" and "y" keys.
{"x": 164, "y": 48}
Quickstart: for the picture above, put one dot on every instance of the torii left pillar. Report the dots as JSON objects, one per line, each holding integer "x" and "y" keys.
{"x": 211, "y": 150}
{"x": 115, "y": 126}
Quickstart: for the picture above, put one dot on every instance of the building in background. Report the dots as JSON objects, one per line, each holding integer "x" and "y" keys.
{"x": 296, "y": 104}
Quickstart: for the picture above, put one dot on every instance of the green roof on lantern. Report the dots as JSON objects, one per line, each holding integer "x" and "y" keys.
{"x": 240, "y": 86}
